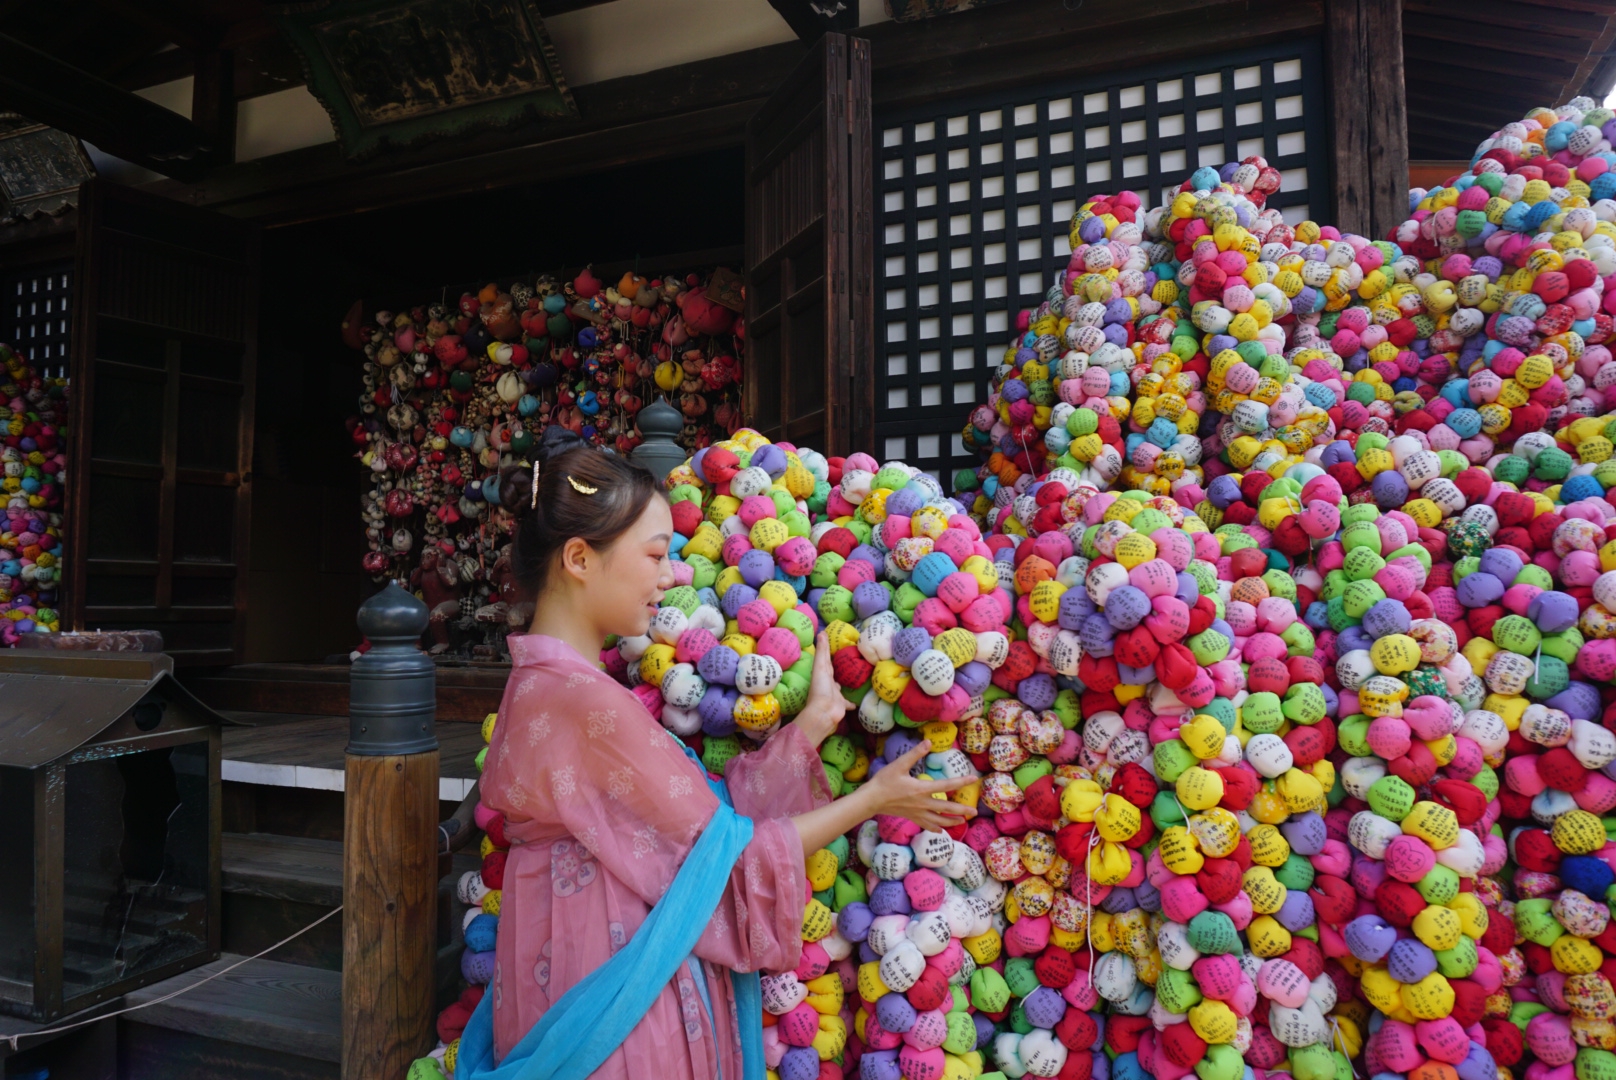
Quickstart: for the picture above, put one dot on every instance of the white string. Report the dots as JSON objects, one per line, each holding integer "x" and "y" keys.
{"x": 1341, "y": 1041}
{"x": 12, "y": 1039}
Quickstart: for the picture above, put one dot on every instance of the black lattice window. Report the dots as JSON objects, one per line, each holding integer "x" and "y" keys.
{"x": 35, "y": 315}
{"x": 976, "y": 197}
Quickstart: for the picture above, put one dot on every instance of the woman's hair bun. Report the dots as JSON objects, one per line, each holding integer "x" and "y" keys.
{"x": 555, "y": 441}
{"x": 516, "y": 488}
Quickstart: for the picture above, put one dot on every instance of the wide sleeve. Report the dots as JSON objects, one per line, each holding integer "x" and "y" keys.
{"x": 591, "y": 759}
{"x": 781, "y": 779}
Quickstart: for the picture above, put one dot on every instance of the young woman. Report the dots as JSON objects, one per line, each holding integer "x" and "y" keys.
{"x": 602, "y": 806}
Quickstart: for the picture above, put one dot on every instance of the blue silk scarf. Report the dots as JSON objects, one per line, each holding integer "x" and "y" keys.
{"x": 578, "y": 1033}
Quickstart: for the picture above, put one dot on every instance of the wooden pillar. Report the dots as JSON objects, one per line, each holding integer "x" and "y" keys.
{"x": 389, "y": 918}
{"x": 1369, "y": 120}
{"x": 389, "y": 877}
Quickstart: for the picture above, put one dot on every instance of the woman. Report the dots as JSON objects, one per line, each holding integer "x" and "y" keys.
{"x": 602, "y": 805}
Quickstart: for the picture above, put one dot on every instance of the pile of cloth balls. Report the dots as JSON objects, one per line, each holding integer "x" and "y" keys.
{"x": 33, "y": 454}
{"x": 478, "y": 895}
{"x": 453, "y": 395}
{"x": 1276, "y": 633}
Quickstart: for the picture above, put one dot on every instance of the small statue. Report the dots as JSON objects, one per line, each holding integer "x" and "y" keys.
{"x": 438, "y": 578}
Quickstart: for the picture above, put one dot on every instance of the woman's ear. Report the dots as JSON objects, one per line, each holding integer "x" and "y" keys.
{"x": 578, "y": 558}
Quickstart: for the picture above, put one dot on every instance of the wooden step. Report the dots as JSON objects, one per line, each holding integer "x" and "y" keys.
{"x": 264, "y": 1004}
{"x": 282, "y": 867}
{"x": 274, "y": 885}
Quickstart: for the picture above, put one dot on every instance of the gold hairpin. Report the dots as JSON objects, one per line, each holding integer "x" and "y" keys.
{"x": 534, "y": 501}
{"x": 582, "y": 489}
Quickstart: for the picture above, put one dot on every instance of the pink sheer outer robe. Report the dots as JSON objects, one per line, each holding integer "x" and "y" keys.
{"x": 601, "y": 806}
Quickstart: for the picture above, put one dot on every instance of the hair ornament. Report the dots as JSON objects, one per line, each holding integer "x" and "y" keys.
{"x": 582, "y": 489}
{"x": 533, "y": 503}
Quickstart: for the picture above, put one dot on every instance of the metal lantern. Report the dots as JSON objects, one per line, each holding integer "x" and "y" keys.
{"x": 109, "y": 787}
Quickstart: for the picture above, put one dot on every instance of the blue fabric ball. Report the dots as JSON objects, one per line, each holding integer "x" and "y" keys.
{"x": 1580, "y": 487}
{"x": 480, "y": 933}
{"x": 1587, "y": 875}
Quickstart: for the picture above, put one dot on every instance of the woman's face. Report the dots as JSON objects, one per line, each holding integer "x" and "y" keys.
{"x": 634, "y": 573}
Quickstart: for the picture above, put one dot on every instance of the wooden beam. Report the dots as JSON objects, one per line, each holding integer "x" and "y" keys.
{"x": 153, "y": 69}
{"x": 549, "y": 8}
{"x": 1428, "y": 174}
{"x": 1507, "y": 13}
{"x": 1583, "y": 79}
{"x": 1033, "y": 42}
{"x": 118, "y": 122}
{"x": 213, "y": 101}
{"x": 628, "y": 119}
{"x": 811, "y": 19}
{"x": 183, "y": 30}
{"x": 1369, "y": 136}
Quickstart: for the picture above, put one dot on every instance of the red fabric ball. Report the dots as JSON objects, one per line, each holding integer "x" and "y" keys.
{"x": 1535, "y": 850}
{"x": 1469, "y": 1001}
{"x": 1181, "y": 1045}
{"x": 1306, "y": 954}
{"x": 1054, "y": 967}
{"x": 1219, "y": 880}
{"x": 1122, "y": 1032}
{"x": 1462, "y": 797}
{"x": 1043, "y": 801}
{"x": 493, "y": 871}
{"x": 1136, "y": 785}
{"x": 1561, "y": 770}
{"x": 1077, "y": 1030}
{"x": 1398, "y": 902}
{"x": 1334, "y": 899}
{"x": 1240, "y": 784}
{"x": 930, "y": 990}
{"x": 1505, "y": 1042}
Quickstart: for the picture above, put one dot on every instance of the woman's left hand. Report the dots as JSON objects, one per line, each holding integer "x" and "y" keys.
{"x": 826, "y": 706}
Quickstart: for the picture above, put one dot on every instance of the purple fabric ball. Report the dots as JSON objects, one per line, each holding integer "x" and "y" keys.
{"x": 870, "y": 599}
{"x": 973, "y": 677}
{"x": 879, "y": 1065}
{"x": 1370, "y": 937}
{"x": 477, "y": 967}
{"x": 1410, "y": 960}
{"x": 756, "y": 567}
{"x": 1126, "y": 607}
{"x": 889, "y": 898}
{"x": 1387, "y": 617}
{"x": 1552, "y": 612}
{"x": 717, "y": 665}
{"x": 909, "y": 643}
{"x": 894, "y": 1013}
{"x": 1389, "y": 490}
{"x": 1097, "y": 637}
{"x": 1296, "y": 912}
{"x": 1306, "y": 833}
{"x": 736, "y": 597}
{"x": 1036, "y": 691}
{"x": 1501, "y": 563}
{"x": 1075, "y": 606}
{"x": 1044, "y": 1007}
{"x": 1480, "y": 589}
{"x": 771, "y": 459}
{"x": 853, "y": 921}
{"x": 717, "y": 711}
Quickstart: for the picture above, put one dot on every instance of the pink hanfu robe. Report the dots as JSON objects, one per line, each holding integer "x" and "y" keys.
{"x": 601, "y": 806}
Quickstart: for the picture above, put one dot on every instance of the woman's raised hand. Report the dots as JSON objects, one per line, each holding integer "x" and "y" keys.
{"x": 893, "y": 791}
{"x": 825, "y": 706}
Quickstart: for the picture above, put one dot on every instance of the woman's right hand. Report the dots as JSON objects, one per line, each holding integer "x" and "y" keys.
{"x": 893, "y": 791}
